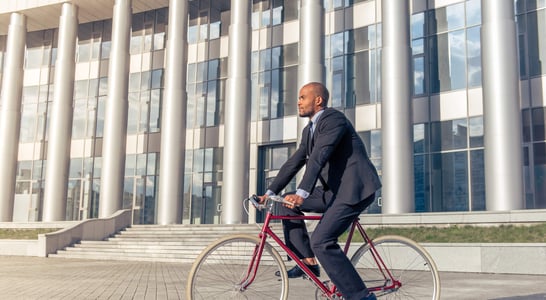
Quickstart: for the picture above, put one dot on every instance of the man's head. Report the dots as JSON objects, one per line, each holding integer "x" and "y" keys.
{"x": 313, "y": 97}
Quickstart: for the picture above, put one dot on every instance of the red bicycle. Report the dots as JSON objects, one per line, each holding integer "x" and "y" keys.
{"x": 244, "y": 266}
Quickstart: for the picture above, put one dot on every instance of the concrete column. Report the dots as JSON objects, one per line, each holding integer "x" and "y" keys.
{"x": 173, "y": 122}
{"x": 502, "y": 113}
{"x": 311, "y": 60}
{"x": 237, "y": 115}
{"x": 60, "y": 127}
{"x": 115, "y": 119}
{"x": 396, "y": 109}
{"x": 10, "y": 117}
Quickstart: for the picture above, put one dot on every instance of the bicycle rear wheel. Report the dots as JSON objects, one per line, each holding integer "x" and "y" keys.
{"x": 221, "y": 271}
{"x": 407, "y": 261}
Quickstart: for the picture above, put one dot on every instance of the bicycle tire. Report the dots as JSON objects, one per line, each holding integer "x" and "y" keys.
{"x": 408, "y": 262}
{"x": 218, "y": 271}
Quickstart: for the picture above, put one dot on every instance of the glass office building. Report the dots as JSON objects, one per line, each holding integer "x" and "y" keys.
{"x": 179, "y": 109}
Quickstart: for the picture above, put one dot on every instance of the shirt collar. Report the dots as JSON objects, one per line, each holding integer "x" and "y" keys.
{"x": 316, "y": 117}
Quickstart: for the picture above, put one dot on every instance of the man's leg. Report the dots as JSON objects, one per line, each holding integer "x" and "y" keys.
{"x": 295, "y": 231}
{"x": 337, "y": 265}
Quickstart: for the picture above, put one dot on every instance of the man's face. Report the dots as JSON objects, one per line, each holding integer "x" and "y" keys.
{"x": 308, "y": 102}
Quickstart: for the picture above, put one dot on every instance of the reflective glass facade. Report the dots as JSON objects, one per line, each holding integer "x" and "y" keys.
{"x": 448, "y": 118}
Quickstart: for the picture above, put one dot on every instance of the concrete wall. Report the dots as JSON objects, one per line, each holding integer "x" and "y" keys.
{"x": 89, "y": 230}
{"x": 72, "y": 232}
{"x": 513, "y": 258}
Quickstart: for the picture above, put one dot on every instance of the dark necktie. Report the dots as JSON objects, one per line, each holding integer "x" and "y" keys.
{"x": 310, "y": 138}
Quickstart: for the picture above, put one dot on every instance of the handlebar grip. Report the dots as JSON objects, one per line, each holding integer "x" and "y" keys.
{"x": 256, "y": 202}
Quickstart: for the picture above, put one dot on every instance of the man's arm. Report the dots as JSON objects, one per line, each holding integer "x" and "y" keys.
{"x": 289, "y": 169}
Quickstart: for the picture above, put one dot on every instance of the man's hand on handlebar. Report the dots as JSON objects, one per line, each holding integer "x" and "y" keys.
{"x": 294, "y": 199}
{"x": 263, "y": 198}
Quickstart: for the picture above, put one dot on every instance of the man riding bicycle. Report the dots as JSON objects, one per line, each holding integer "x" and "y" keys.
{"x": 339, "y": 181}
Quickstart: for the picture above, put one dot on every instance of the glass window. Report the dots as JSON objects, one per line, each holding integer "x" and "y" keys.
{"x": 362, "y": 80}
{"x": 473, "y": 50}
{"x": 24, "y": 169}
{"x": 213, "y": 67}
{"x": 37, "y": 169}
{"x": 539, "y": 150}
{"x": 420, "y": 138}
{"x": 418, "y": 25}
{"x": 290, "y": 10}
{"x": 76, "y": 166}
{"x": 79, "y": 122}
{"x": 289, "y": 90}
{"x": 130, "y": 165}
{"x": 526, "y": 121}
{"x": 539, "y": 121}
{"x": 141, "y": 160}
{"x": 30, "y": 94}
{"x": 145, "y": 81}
{"x": 212, "y": 108}
{"x": 103, "y": 86}
{"x": 134, "y": 82}
{"x": 80, "y": 89}
{"x": 28, "y": 123}
{"x": 421, "y": 183}
{"x": 448, "y": 18}
{"x": 151, "y": 163}
{"x": 289, "y": 55}
{"x": 372, "y": 142}
{"x": 144, "y": 106}
{"x": 449, "y": 181}
{"x": 361, "y": 38}
{"x": 475, "y": 125}
{"x": 100, "y": 116}
{"x": 536, "y": 22}
{"x": 34, "y": 58}
{"x": 418, "y": 75}
{"x": 473, "y": 12}
{"x": 193, "y": 34}
{"x": 133, "y": 113}
{"x": 201, "y": 72}
{"x": 448, "y": 135}
{"x": 418, "y": 46}
{"x": 155, "y": 111}
{"x": 276, "y": 101}
{"x": 448, "y": 62}
{"x": 277, "y": 15}
{"x": 93, "y": 87}
{"x": 477, "y": 173}
{"x": 84, "y": 51}
{"x": 337, "y": 44}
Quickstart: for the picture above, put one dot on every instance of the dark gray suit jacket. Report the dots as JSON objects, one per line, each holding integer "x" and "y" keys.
{"x": 337, "y": 158}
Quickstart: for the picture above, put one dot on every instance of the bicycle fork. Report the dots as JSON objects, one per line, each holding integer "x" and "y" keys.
{"x": 252, "y": 266}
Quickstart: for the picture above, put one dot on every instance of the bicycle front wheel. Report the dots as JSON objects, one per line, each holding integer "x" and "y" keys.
{"x": 407, "y": 261}
{"x": 224, "y": 271}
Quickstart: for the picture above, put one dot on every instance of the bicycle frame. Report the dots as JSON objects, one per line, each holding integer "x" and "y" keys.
{"x": 390, "y": 283}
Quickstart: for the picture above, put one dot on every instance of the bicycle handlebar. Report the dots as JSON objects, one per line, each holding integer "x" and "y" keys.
{"x": 255, "y": 200}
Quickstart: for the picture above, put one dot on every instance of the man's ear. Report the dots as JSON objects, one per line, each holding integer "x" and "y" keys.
{"x": 319, "y": 101}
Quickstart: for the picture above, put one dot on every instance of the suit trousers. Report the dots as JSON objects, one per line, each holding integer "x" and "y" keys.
{"x": 336, "y": 219}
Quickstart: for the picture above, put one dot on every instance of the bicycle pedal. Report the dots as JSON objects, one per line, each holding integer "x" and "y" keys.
{"x": 306, "y": 277}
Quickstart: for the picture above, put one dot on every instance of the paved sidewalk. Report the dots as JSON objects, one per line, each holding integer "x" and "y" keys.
{"x": 57, "y": 278}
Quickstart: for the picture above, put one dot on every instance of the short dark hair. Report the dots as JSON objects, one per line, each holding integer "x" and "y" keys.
{"x": 321, "y": 91}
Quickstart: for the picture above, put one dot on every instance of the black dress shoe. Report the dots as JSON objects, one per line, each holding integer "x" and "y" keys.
{"x": 371, "y": 296}
{"x": 297, "y": 272}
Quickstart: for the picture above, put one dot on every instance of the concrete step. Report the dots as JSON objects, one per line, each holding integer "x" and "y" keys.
{"x": 162, "y": 243}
